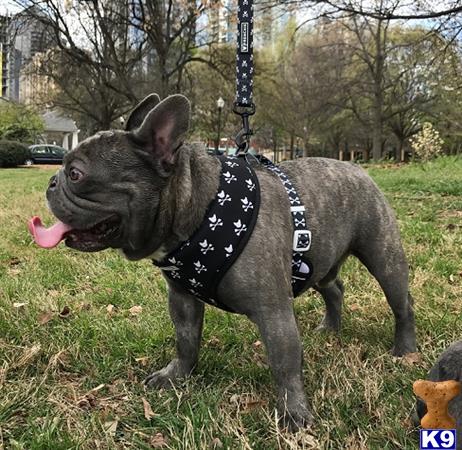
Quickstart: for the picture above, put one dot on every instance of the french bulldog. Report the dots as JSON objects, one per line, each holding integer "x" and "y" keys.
{"x": 143, "y": 191}
{"x": 447, "y": 367}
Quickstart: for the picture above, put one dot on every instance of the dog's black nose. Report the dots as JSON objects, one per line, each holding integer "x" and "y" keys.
{"x": 53, "y": 182}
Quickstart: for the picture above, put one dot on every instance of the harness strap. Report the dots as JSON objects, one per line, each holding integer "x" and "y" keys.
{"x": 199, "y": 263}
{"x": 301, "y": 266}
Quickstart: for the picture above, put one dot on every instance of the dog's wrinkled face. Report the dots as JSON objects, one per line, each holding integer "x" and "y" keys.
{"x": 107, "y": 192}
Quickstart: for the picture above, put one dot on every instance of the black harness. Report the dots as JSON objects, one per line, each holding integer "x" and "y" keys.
{"x": 199, "y": 264}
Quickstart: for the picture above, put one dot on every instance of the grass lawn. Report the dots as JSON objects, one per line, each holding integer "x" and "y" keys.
{"x": 71, "y": 366}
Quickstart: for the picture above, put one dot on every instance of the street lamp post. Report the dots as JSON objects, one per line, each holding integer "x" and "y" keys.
{"x": 220, "y": 105}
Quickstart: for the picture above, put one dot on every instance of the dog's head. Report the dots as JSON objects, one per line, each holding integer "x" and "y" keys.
{"x": 107, "y": 192}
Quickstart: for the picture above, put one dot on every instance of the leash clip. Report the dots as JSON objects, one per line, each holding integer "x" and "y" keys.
{"x": 242, "y": 138}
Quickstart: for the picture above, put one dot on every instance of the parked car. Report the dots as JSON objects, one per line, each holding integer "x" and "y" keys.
{"x": 214, "y": 151}
{"x": 45, "y": 154}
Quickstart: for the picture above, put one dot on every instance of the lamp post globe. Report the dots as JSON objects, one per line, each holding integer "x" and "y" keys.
{"x": 220, "y": 105}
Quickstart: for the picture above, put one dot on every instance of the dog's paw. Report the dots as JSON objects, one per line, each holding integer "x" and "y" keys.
{"x": 296, "y": 418}
{"x": 163, "y": 379}
{"x": 403, "y": 349}
{"x": 328, "y": 326}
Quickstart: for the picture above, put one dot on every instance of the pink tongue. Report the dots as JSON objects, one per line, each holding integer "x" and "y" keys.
{"x": 47, "y": 237}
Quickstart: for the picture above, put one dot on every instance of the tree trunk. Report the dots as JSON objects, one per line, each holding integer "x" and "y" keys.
{"x": 399, "y": 155}
{"x": 345, "y": 152}
{"x": 377, "y": 125}
{"x": 366, "y": 155}
{"x": 292, "y": 145}
{"x": 275, "y": 151}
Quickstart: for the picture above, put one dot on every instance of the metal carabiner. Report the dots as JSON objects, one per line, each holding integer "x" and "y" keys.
{"x": 242, "y": 138}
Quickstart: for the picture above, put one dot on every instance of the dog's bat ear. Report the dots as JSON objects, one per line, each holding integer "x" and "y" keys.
{"x": 164, "y": 127}
{"x": 141, "y": 111}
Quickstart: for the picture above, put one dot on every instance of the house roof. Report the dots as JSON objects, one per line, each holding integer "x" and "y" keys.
{"x": 54, "y": 121}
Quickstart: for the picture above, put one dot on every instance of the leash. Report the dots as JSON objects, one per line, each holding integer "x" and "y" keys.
{"x": 243, "y": 105}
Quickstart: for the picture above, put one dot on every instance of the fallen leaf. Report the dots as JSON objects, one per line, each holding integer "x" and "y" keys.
{"x": 412, "y": 358}
{"x": 216, "y": 443}
{"x": 65, "y": 312}
{"x": 251, "y": 404}
{"x": 88, "y": 402}
{"x": 144, "y": 360}
{"x": 111, "y": 427}
{"x": 158, "y": 441}
{"x": 214, "y": 341}
{"x": 83, "y": 306}
{"x": 148, "y": 412}
{"x": 18, "y": 305}
{"x": 257, "y": 344}
{"x": 44, "y": 317}
{"x": 135, "y": 310}
{"x": 111, "y": 309}
{"x": 355, "y": 307}
{"x": 306, "y": 440}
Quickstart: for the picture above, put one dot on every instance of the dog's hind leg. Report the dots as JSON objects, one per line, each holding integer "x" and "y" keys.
{"x": 385, "y": 260}
{"x": 333, "y": 298}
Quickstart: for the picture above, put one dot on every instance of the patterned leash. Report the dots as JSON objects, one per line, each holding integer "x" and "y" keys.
{"x": 243, "y": 105}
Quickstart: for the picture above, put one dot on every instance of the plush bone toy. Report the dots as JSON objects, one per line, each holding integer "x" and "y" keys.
{"x": 437, "y": 395}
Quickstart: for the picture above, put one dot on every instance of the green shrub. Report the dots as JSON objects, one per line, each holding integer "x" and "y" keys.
{"x": 12, "y": 153}
{"x": 19, "y": 123}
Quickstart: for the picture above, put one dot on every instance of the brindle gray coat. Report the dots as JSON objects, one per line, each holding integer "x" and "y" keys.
{"x": 160, "y": 190}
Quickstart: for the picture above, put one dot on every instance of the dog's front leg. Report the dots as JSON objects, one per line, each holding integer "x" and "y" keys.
{"x": 282, "y": 341}
{"x": 187, "y": 314}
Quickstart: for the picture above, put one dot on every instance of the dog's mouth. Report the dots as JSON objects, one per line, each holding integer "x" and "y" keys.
{"x": 93, "y": 239}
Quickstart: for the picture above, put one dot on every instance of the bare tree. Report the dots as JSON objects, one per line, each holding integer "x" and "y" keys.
{"x": 93, "y": 57}
{"x": 389, "y": 80}
{"x": 422, "y": 10}
{"x": 174, "y": 35}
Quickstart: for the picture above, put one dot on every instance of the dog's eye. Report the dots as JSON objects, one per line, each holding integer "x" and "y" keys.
{"x": 75, "y": 174}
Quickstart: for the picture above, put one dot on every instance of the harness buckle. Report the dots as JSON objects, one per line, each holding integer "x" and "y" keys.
{"x": 302, "y": 240}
